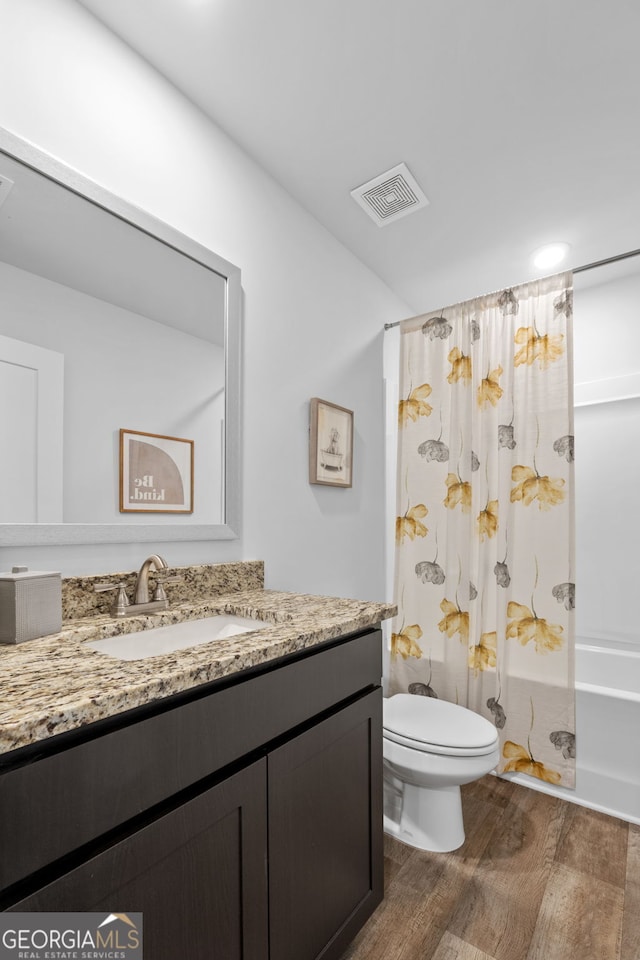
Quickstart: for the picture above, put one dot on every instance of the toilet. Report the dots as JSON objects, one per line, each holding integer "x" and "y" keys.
{"x": 430, "y": 748}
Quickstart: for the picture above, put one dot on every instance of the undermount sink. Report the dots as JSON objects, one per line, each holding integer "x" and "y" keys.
{"x": 175, "y": 636}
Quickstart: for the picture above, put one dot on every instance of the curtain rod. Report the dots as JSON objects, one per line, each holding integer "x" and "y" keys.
{"x": 582, "y": 269}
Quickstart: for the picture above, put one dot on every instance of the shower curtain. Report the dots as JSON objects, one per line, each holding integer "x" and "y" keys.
{"x": 484, "y": 566}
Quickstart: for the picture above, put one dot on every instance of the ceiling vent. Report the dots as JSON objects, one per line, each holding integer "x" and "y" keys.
{"x": 5, "y": 187}
{"x": 392, "y": 195}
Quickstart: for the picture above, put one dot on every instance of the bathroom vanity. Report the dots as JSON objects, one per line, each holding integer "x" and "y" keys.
{"x": 241, "y": 815}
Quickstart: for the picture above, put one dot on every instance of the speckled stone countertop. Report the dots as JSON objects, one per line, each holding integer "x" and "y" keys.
{"x": 55, "y": 684}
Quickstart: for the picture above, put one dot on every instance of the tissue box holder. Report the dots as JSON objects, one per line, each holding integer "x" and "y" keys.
{"x": 30, "y": 605}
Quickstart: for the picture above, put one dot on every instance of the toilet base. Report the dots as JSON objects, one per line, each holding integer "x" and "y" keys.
{"x": 424, "y": 818}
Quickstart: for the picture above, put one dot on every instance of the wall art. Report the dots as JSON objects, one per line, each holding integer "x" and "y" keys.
{"x": 156, "y": 473}
{"x": 330, "y": 444}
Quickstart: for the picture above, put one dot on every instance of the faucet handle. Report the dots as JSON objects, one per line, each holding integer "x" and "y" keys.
{"x": 159, "y": 592}
{"x": 122, "y": 601}
{"x": 105, "y": 585}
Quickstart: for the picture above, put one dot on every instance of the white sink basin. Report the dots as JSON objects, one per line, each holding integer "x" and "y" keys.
{"x": 176, "y": 636}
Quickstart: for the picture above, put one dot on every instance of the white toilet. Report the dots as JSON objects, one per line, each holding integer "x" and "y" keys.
{"x": 430, "y": 748}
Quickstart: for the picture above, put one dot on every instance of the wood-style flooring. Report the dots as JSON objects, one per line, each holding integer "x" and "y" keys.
{"x": 537, "y": 879}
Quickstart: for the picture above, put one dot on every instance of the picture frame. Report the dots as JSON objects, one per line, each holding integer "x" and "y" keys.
{"x": 156, "y": 473}
{"x": 330, "y": 444}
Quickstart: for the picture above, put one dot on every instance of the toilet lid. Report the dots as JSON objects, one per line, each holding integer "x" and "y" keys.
{"x": 437, "y": 726}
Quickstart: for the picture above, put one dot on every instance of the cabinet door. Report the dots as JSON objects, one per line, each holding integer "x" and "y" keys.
{"x": 325, "y": 833}
{"x": 198, "y": 875}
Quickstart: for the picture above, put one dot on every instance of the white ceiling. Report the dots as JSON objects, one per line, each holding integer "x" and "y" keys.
{"x": 520, "y": 120}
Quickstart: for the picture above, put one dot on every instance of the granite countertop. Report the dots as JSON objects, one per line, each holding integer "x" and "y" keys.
{"x": 55, "y": 684}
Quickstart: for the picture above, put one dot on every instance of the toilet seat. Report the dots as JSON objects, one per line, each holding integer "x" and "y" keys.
{"x": 437, "y": 726}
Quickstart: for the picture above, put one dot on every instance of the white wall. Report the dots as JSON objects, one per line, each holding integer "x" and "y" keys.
{"x": 313, "y": 314}
{"x": 607, "y": 327}
{"x": 607, "y": 442}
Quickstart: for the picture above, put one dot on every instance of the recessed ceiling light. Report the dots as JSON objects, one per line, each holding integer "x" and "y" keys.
{"x": 550, "y": 255}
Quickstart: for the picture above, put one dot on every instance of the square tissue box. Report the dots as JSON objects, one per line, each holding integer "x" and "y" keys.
{"x": 30, "y": 604}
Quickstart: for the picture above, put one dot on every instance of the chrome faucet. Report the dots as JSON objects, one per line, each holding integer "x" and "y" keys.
{"x": 142, "y": 583}
{"x": 141, "y": 602}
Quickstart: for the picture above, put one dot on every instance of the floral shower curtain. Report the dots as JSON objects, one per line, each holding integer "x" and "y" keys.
{"x": 485, "y": 523}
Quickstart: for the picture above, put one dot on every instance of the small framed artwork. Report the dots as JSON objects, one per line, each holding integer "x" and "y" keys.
{"x": 156, "y": 473}
{"x": 330, "y": 444}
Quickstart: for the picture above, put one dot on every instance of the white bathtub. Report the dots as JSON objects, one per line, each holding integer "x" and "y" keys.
{"x": 607, "y": 731}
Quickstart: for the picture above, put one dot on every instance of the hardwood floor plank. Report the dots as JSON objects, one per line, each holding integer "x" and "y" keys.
{"x": 456, "y": 870}
{"x": 536, "y": 879}
{"x": 451, "y": 948}
{"x": 423, "y": 893}
{"x": 396, "y": 931}
{"x": 491, "y": 789}
{"x": 580, "y": 918}
{"x": 396, "y": 851}
{"x": 630, "y": 947}
{"x": 595, "y": 844}
{"x": 499, "y": 909}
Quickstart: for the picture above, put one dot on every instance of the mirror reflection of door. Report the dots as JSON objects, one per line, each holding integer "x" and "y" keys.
{"x": 31, "y": 438}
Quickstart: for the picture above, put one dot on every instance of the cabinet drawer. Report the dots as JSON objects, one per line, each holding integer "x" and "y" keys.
{"x": 65, "y": 800}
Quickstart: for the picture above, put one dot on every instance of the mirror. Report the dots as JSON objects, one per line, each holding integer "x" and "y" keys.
{"x": 111, "y": 321}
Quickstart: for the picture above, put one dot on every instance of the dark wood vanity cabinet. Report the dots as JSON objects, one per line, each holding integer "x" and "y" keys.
{"x": 244, "y": 822}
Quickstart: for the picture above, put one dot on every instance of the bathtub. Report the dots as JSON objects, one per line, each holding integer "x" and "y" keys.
{"x": 607, "y": 731}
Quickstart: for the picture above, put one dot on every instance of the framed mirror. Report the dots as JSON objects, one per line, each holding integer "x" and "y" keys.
{"x": 112, "y": 324}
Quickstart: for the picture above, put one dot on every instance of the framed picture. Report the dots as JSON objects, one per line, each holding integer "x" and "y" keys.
{"x": 330, "y": 444}
{"x": 156, "y": 473}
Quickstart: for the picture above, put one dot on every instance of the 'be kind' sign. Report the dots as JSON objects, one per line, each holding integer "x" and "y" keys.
{"x": 156, "y": 473}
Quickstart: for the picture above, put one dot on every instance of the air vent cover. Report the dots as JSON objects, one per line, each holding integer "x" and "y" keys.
{"x": 392, "y": 195}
